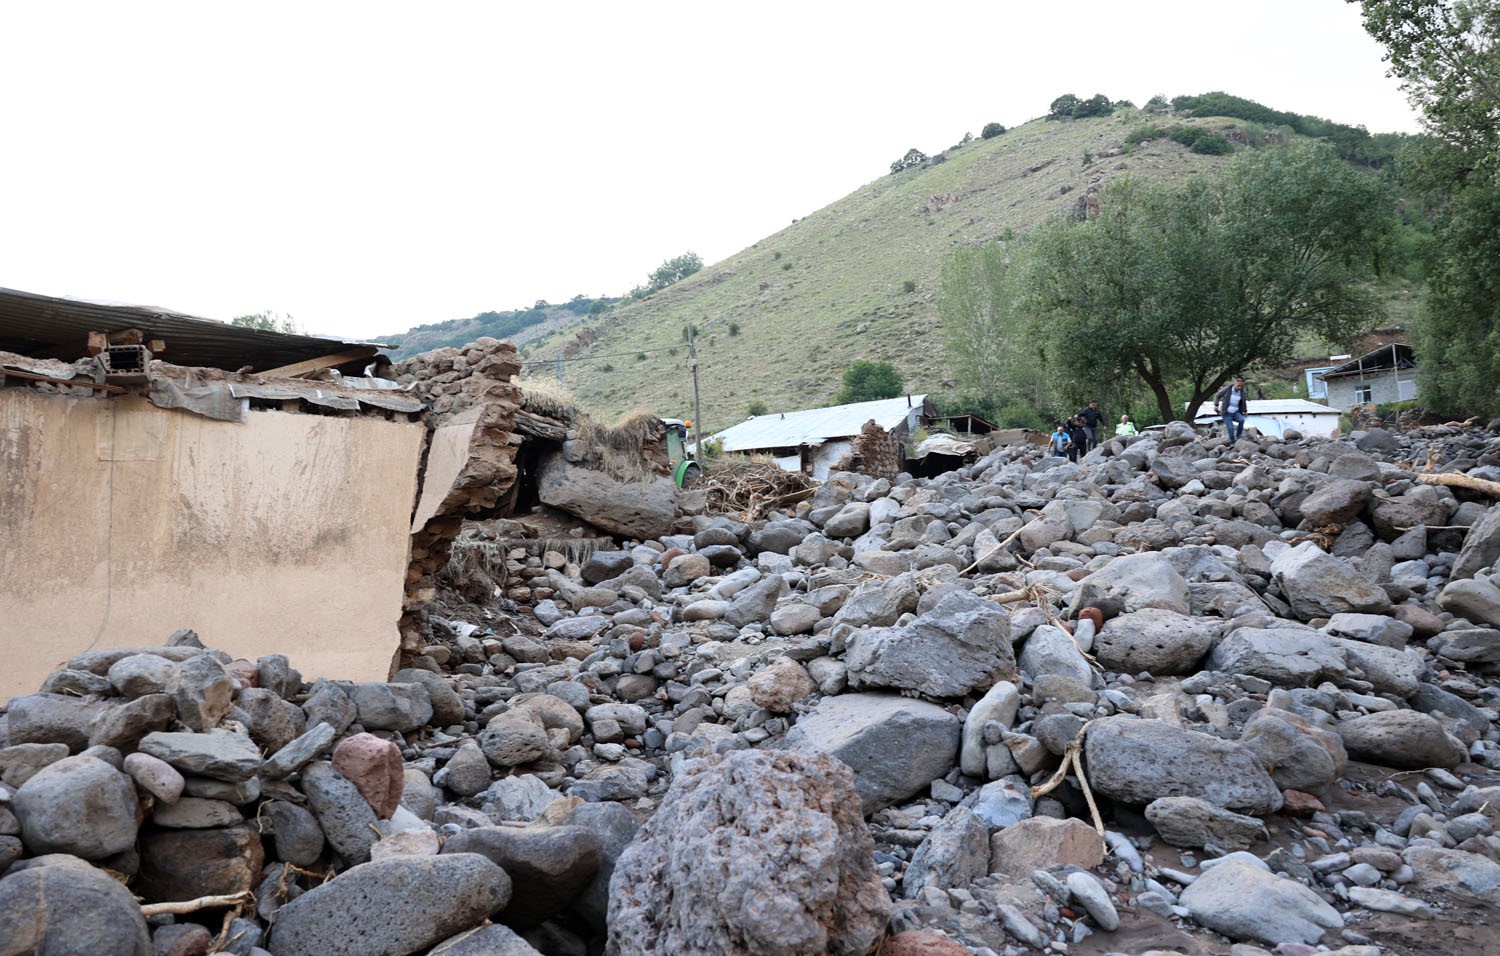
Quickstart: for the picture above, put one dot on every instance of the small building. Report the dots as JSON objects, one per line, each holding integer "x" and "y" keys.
{"x": 1273, "y": 416}
{"x": 815, "y": 439}
{"x": 1381, "y": 376}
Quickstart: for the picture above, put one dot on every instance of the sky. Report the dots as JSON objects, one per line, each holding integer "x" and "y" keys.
{"x": 369, "y": 167}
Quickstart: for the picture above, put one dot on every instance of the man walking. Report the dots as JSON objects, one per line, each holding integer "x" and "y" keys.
{"x": 1091, "y": 416}
{"x": 1230, "y": 404}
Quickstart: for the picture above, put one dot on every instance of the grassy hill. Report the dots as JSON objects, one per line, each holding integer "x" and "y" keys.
{"x": 780, "y": 321}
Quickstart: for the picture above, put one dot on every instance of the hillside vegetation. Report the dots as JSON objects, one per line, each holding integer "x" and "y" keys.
{"x": 779, "y": 322}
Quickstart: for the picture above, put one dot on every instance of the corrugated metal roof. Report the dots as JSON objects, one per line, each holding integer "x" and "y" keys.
{"x": 1272, "y": 406}
{"x": 813, "y": 426}
{"x": 1382, "y": 359}
{"x": 47, "y": 327}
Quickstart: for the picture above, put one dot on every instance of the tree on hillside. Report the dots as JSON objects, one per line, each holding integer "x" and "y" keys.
{"x": 983, "y": 331}
{"x": 267, "y": 321}
{"x": 1447, "y": 55}
{"x": 991, "y": 130}
{"x": 674, "y": 270}
{"x": 866, "y": 381}
{"x": 1185, "y": 286}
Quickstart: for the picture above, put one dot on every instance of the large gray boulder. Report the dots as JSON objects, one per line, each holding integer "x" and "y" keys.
{"x": 631, "y": 509}
{"x": 343, "y": 813}
{"x": 1300, "y": 755}
{"x": 1316, "y": 584}
{"x": 1337, "y": 502}
{"x": 60, "y": 904}
{"x": 1401, "y": 738}
{"x": 1154, "y": 640}
{"x": 1140, "y": 580}
{"x": 78, "y": 805}
{"x": 1247, "y": 902}
{"x": 960, "y": 646}
{"x": 879, "y": 602}
{"x": 1481, "y": 546}
{"x": 1051, "y": 652}
{"x": 955, "y": 854}
{"x": 1137, "y": 761}
{"x": 1477, "y": 599}
{"x": 757, "y": 852}
{"x": 1287, "y": 657}
{"x": 549, "y": 866}
{"x": 391, "y": 907}
{"x": 896, "y": 746}
{"x": 219, "y": 755}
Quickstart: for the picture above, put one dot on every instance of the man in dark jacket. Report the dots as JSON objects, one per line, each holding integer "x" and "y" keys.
{"x": 1091, "y": 417}
{"x": 1079, "y": 434}
{"x": 1231, "y": 404}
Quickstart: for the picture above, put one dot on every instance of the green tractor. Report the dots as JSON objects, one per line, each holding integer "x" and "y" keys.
{"x": 685, "y": 471}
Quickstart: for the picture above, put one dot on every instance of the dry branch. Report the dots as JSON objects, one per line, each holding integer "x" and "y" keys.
{"x": 180, "y": 907}
{"x": 1454, "y": 480}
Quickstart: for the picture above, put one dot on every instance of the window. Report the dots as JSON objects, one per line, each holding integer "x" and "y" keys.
{"x": 1362, "y": 395}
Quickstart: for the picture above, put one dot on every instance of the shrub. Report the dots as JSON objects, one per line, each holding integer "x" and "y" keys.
{"x": 640, "y": 356}
{"x": 913, "y": 157}
{"x": 1088, "y": 157}
{"x": 734, "y": 329}
{"x": 606, "y": 367}
{"x": 1144, "y": 133}
{"x": 785, "y": 266}
{"x": 757, "y": 408}
{"x": 991, "y": 130}
{"x": 909, "y": 286}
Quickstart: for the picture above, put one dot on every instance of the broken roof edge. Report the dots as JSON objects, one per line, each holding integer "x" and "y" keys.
{"x": 41, "y": 326}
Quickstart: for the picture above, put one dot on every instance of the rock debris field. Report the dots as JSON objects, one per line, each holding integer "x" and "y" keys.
{"x": 1180, "y": 697}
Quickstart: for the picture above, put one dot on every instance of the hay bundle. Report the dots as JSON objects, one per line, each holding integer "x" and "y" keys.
{"x": 631, "y": 450}
{"x": 746, "y": 487}
{"x": 547, "y": 398}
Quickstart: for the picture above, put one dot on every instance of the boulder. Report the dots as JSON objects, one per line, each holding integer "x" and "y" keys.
{"x": 1316, "y": 584}
{"x": 1287, "y": 657}
{"x": 1190, "y": 822}
{"x": 394, "y": 906}
{"x": 68, "y": 906}
{"x": 78, "y": 805}
{"x": 1247, "y": 902}
{"x": 895, "y": 746}
{"x": 959, "y": 646}
{"x": 1400, "y": 738}
{"x": 628, "y": 509}
{"x": 1138, "y": 761}
{"x": 1300, "y": 755}
{"x": 1145, "y": 580}
{"x": 374, "y": 767}
{"x": 1041, "y": 843}
{"x": 1155, "y": 640}
{"x": 779, "y": 685}
{"x": 548, "y": 865}
{"x": 186, "y": 864}
{"x": 789, "y": 868}
{"x": 952, "y": 855}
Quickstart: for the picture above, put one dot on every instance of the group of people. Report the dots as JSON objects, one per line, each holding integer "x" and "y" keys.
{"x": 1079, "y": 435}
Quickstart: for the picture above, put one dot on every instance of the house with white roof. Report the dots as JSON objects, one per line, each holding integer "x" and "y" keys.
{"x": 1273, "y": 416}
{"x": 814, "y": 439}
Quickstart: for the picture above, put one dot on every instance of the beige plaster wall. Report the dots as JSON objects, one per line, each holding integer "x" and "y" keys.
{"x": 121, "y": 522}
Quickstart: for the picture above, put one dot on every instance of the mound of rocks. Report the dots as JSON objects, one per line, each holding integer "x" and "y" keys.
{"x": 1180, "y": 689}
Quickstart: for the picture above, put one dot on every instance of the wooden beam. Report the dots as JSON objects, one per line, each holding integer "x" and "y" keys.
{"x": 1455, "y": 480}
{"x": 327, "y": 361}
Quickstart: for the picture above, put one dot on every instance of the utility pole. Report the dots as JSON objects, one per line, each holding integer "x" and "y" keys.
{"x": 697, "y": 413}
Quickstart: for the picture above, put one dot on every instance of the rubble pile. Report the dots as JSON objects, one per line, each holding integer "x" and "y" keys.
{"x": 472, "y": 408}
{"x": 1178, "y": 695}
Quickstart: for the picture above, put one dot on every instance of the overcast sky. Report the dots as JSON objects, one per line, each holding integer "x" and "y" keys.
{"x": 368, "y": 167}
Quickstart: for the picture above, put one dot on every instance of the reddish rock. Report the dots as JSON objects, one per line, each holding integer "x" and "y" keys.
{"x": 1295, "y": 803}
{"x": 1424, "y": 623}
{"x": 243, "y": 672}
{"x": 920, "y": 942}
{"x": 374, "y": 767}
{"x": 1092, "y": 614}
{"x": 666, "y": 556}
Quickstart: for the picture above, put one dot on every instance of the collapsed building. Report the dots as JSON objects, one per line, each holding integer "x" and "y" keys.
{"x": 283, "y": 493}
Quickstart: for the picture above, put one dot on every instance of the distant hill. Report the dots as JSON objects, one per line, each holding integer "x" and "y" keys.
{"x": 779, "y": 322}
{"x": 519, "y": 325}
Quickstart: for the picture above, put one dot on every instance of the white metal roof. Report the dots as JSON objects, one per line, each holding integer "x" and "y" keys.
{"x": 813, "y": 426}
{"x": 1272, "y": 406}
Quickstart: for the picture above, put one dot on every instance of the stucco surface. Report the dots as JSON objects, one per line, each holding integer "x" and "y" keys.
{"x": 121, "y": 522}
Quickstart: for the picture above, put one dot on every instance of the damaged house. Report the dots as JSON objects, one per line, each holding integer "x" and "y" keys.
{"x": 162, "y": 471}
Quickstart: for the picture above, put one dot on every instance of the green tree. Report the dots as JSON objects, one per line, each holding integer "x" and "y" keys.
{"x": 866, "y": 381}
{"x": 1183, "y": 287}
{"x": 991, "y": 130}
{"x": 267, "y": 321}
{"x": 673, "y": 270}
{"x": 984, "y": 334}
{"x": 757, "y": 407}
{"x": 1447, "y": 55}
